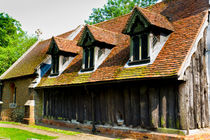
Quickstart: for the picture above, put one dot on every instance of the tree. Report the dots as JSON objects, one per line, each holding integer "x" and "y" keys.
{"x": 115, "y": 8}
{"x": 13, "y": 41}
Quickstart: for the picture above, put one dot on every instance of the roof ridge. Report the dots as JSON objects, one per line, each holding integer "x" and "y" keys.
{"x": 111, "y": 19}
{"x": 140, "y": 8}
{"x": 104, "y": 29}
{"x": 64, "y": 39}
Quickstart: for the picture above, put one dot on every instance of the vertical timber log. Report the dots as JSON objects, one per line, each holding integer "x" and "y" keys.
{"x": 197, "y": 90}
{"x": 135, "y": 107}
{"x": 127, "y": 106}
{"x": 154, "y": 107}
{"x": 144, "y": 107}
{"x": 191, "y": 94}
{"x": 171, "y": 107}
{"x": 163, "y": 107}
{"x": 203, "y": 79}
{"x": 93, "y": 113}
{"x": 205, "y": 82}
{"x": 183, "y": 113}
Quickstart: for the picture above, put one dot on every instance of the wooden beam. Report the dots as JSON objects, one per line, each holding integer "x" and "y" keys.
{"x": 154, "y": 107}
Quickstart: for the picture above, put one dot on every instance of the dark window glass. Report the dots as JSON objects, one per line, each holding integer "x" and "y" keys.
{"x": 55, "y": 64}
{"x": 144, "y": 46}
{"x": 91, "y": 57}
{"x": 136, "y": 48}
{"x": 140, "y": 49}
{"x": 88, "y": 57}
{"x": 14, "y": 97}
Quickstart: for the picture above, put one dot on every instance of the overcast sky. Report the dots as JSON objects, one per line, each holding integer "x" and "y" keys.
{"x": 53, "y": 17}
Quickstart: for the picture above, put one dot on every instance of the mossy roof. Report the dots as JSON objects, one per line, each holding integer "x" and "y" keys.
{"x": 31, "y": 60}
{"x": 168, "y": 62}
{"x": 187, "y": 17}
{"x": 66, "y": 45}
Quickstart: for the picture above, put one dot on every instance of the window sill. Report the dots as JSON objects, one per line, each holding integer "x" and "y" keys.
{"x": 87, "y": 69}
{"x": 54, "y": 74}
{"x": 136, "y": 62}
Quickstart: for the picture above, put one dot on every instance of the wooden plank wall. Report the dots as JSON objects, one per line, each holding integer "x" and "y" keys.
{"x": 193, "y": 94}
{"x": 139, "y": 105}
{"x": 147, "y": 104}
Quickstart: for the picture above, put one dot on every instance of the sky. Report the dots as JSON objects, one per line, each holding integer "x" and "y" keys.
{"x": 52, "y": 17}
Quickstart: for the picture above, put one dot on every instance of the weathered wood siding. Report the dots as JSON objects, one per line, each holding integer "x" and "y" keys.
{"x": 142, "y": 104}
{"x": 147, "y": 104}
{"x": 193, "y": 94}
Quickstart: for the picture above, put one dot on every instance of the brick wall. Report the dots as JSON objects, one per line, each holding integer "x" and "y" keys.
{"x": 142, "y": 135}
{"x": 22, "y": 95}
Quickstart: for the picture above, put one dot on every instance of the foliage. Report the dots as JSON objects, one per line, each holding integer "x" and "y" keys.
{"x": 18, "y": 134}
{"x": 13, "y": 41}
{"x": 115, "y": 8}
{"x": 10, "y": 30}
{"x": 17, "y": 115}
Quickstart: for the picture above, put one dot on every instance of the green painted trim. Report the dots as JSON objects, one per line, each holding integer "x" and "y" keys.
{"x": 131, "y": 48}
{"x": 53, "y": 49}
{"x": 131, "y": 21}
{"x": 86, "y": 34}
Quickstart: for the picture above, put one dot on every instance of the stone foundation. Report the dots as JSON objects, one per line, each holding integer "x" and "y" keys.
{"x": 132, "y": 133}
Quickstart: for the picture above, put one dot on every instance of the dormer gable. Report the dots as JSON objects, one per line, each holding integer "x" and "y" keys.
{"x": 136, "y": 23}
{"x": 62, "y": 52}
{"x": 61, "y": 46}
{"x": 141, "y": 19}
{"x": 97, "y": 44}
{"x": 93, "y": 35}
{"x": 148, "y": 32}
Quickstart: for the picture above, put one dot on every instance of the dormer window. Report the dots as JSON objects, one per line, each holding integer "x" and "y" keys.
{"x": 139, "y": 49}
{"x": 62, "y": 52}
{"x": 144, "y": 29}
{"x": 55, "y": 65}
{"x": 65, "y": 59}
{"x": 155, "y": 39}
{"x": 101, "y": 52}
{"x": 88, "y": 59}
{"x": 97, "y": 44}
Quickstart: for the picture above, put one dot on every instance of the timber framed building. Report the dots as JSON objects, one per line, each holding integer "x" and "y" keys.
{"x": 143, "y": 71}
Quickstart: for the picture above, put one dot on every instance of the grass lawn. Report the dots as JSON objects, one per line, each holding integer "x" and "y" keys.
{"x": 18, "y": 134}
{"x": 43, "y": 128}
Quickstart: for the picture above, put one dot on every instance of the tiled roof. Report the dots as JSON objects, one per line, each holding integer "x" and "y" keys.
{"x": 66, "y": 45}
{"x": 156, "y": 19}
{"x": 27, "y": 65}
{"x": 104, "y": 36}
{"x": 187, "y": 18}
{"x": 168, "y": 61}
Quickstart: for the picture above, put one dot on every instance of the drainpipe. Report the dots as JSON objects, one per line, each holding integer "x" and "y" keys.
{"x": 92, "y": 108}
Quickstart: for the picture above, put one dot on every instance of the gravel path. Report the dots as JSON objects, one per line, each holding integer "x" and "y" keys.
{"x": 81, "y": 136}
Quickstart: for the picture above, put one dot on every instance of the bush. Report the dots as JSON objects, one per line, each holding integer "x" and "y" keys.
{"x": 17, "y": 114}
